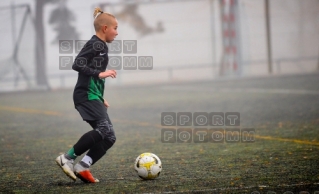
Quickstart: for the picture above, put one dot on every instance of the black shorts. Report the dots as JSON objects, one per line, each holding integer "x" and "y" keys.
{"x": 92, "y": 110}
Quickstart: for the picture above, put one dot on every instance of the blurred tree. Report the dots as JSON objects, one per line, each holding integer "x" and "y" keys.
{"x": 41, "y": 76}
{"x": 61, "y": 18}
{"x": 131, "y": 15}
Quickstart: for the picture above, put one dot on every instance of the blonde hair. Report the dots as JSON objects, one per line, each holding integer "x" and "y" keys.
{"x": 98, "y": 20}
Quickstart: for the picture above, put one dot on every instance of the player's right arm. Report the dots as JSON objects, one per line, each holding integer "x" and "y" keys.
{"x": 108, "y": 73}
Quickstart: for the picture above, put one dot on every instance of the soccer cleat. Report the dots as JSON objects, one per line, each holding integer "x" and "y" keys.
{"x": 84, "y": 174}
{"x": 66, "y": 165}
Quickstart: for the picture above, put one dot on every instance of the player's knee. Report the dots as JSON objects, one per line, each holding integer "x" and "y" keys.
{"x": 111, "y": 137}
{"x": 108, "y": 142}
{"x": 105, "y": 129}
{"x": 103, "y": 132}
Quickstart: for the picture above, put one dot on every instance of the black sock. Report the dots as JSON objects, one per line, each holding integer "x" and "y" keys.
{"x": 86, "y": 142}
{"x": 99, "y": 150}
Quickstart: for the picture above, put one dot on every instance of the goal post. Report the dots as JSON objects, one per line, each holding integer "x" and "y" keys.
{"x": 17, "y": 65}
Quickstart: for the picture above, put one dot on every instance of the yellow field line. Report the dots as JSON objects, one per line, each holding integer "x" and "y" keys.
{"x": 145, "y": 124}
{"x": 31, "y": 111}
{"x": 287, "y": 140}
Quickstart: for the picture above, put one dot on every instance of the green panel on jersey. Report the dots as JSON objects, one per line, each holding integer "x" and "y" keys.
{"x": 96, "y": 89}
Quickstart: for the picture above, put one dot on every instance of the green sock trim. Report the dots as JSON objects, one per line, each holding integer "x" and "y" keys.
{"x": 71, "y": 154}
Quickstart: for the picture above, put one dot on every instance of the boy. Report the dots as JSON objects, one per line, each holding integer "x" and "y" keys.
{"x": 88, "y": 99}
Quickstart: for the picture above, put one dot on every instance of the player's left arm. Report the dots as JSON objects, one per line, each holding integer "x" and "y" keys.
{"x": 84, "y": 58}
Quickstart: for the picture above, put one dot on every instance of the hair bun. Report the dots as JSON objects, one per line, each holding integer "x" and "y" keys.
{"x": 96, "y": 11}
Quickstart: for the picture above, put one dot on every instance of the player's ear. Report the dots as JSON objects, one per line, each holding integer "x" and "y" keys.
{"x": 105, "y": 28}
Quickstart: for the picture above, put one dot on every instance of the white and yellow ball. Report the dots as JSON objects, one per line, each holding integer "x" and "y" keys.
{"x": 148, "y": 166}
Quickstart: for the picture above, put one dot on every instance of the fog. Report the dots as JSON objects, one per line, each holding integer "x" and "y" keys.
{"x": 186, "y": 39}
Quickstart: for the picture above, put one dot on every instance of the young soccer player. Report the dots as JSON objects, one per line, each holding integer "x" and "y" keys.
{"x": 88, "y": 99}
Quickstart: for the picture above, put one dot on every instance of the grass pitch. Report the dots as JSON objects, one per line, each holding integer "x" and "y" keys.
{"x": 35, "y": 127}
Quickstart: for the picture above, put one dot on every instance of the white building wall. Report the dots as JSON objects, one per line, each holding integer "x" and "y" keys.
{"x": 190, "y": 39}
{"x": 294, "y": 34}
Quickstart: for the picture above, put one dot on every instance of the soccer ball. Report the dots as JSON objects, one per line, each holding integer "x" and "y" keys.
{"x": 148, "y": 166}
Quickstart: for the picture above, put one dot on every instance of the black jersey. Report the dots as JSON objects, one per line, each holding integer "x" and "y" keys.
{"x": 90, "y": 62}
